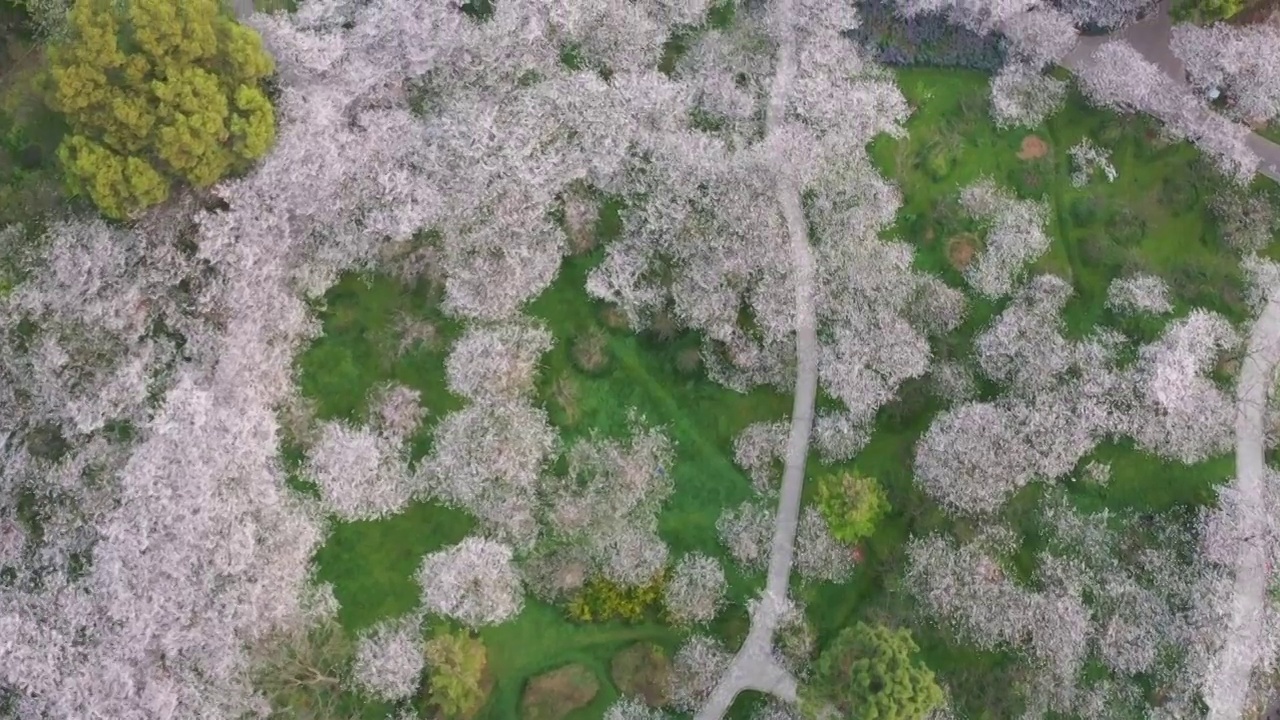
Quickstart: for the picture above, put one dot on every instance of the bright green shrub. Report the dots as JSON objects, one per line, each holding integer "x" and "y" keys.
{"x": 155, "y": 92}
{"x": 852, "y": 504}
{"x": 1205, "y": 12}
{"x": 869, "y": 673}
{"x": 455, "y": 673}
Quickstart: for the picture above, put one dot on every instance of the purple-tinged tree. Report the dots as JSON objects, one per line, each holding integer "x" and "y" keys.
{"x": 396, "y": 411}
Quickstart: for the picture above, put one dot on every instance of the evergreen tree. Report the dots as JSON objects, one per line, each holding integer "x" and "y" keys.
{"x": 869, "y": 673}
{"x": 156, "y": 92}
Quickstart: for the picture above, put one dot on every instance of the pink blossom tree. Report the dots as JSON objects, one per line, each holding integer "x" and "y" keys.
{"x": 1241, "y": 62}
{"x": 496, "y": 362}
{"x": 1140, "y": 293}
{"x": 1021, "y": 96}
{"x": 488, "y": 458}
{"x": 474, "y": 582}
{"x": 1118, "y": 77}
{"x": 361, "y": 474}
{"x": 389, "y": 659}
{"x": 1015, "y": 236}
{"x": 746, "y": 530}
{"x": 694, "y": 592}
{"x": 695, "y": 670}
{"x": 819, "y": 556}
{"x": 607, "y": 503}
{"x": 627, "y": 708}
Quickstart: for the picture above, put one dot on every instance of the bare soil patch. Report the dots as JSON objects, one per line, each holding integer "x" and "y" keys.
{"x": 1033, "y": 148}
{"x": 961, "y": 249}
{"x": 553, "y": 695}
{"x": 643, "y": 671}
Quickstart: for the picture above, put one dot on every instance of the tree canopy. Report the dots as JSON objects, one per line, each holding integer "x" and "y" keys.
{"x": 870, "y": 673}
{"x": 156, "y": 92}
{"x": 455, "y": 673}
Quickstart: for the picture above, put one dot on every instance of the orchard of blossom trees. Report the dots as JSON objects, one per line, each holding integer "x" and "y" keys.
{"x": 146, "y": 370}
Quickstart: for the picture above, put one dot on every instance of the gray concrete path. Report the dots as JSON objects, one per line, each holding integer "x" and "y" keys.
{"x": 1227, "y": 688}
{"x": 754, "y": 667}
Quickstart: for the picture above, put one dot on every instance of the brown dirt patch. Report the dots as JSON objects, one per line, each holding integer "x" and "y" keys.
{"x": 553, "y": 695}
{"x": 643, "y": 671}
{"x": 961, "y": 249}
{"x": 1033, "y": 148}
{"x": 613, "y": 318}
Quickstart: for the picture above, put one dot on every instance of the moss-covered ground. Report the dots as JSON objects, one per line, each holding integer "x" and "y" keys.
{"x": 1153, "y": 218}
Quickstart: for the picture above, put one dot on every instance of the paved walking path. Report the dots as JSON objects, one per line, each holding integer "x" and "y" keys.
{"x": 754, "y": 667}
{"x": 1227, "y": 687}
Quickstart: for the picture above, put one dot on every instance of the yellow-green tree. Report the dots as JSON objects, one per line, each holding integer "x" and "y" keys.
{"x": 157, "y": 92}
{"x": 455, "y": 673}
{"x": 852, "y": 504}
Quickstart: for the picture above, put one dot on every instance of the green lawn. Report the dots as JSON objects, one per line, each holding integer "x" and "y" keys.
{"x": 1152, "y": 219}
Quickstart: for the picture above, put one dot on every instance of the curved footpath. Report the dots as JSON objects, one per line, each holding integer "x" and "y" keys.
{"x": 754, "y": 667}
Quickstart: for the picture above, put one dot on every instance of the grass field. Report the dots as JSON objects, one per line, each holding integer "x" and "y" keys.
{"x": 1152, "y": 218}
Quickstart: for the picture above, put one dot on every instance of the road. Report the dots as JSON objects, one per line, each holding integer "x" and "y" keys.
{"x": 753, "y": 667}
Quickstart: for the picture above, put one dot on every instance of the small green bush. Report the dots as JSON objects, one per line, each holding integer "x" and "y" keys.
{"x": 1178, "y": 191}
{"x": 1205, "y": 11}
{"x": 1126, "y": 228}
{"x": 852, "y": 504}
{"x": 456, "y": 665}
{"x": 1085, "y": 211}
{"x": 937, "y": 162}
